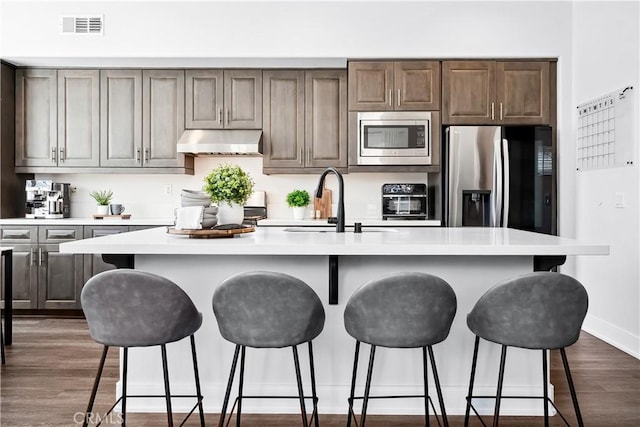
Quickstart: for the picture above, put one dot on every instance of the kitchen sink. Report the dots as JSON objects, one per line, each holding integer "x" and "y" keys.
{"x": 333, "y": 230}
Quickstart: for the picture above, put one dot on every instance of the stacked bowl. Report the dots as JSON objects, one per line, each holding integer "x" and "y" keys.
{"x": 200, "y": 198}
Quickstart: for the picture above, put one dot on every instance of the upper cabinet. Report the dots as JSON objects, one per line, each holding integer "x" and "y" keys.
{"x": 229, "y": 99}
{"x": 495, "y": 92}
{"x": 402, "y": 85}
{"x": 36, "y": 117}
{"x": 305, "y": 120}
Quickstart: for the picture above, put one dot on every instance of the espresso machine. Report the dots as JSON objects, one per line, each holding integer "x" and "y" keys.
{"x": 47, "y": 199}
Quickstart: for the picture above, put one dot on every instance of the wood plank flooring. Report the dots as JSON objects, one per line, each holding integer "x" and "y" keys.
{"x": 52, "y": 363}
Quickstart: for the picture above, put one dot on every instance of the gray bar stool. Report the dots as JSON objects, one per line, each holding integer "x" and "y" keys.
{"x": 263, "y": 309}
{"x": 129, "y": 308}
{"x": 540, "y": 311}
{"x": 403, "y": 310}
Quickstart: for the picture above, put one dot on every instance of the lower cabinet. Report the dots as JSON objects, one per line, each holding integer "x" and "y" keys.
{"x": 93, "y": 264}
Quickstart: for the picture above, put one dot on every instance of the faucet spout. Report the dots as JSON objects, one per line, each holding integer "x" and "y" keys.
{"x": 340, "y": 223}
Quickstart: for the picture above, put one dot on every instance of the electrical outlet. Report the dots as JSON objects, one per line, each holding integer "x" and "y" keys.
{"x": 168, "y": 190}
{"x": 73, "y": 190}
{"x": 619, "y": 199}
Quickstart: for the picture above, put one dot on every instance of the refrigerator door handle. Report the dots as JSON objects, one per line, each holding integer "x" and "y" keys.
{"x": 505, "y": 160}
{"x": 446, "y": 177}
{"x": 496, "y": 220}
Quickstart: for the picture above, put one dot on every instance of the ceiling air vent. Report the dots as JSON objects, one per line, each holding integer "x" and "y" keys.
{"x": 86, "y": 24}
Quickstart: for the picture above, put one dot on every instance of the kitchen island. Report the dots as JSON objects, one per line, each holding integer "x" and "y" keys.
{"x": 470, "y": 259}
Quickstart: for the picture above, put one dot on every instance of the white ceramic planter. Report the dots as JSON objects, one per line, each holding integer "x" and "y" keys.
{"x": 230, "y": 213}
{"x": 102, "y": 210}
{"x": 298, "y": 212}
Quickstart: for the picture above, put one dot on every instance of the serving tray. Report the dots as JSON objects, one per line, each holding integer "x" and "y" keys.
{"x": 210, "y": 233}
{"x": 121, "y": 216}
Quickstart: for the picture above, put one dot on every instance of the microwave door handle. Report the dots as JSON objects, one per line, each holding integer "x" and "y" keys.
{"x": 505, "y": 160}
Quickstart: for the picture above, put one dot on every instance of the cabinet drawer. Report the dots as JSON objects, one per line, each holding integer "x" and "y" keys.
{"x": 57, "y": 234}
{"x": 19, "y": 234}
{"x": 104, "y": 230}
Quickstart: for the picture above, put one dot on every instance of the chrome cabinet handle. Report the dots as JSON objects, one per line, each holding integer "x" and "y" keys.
{"x": 31, "y": 256}
{"x": 301, "y": 159}
{"x": 220, "y": 115}
{"x": 53, "y": 154}
{"x": 501, "y": 111}
{"x": 398, "y": 100}
{"x": 62, "y": 154}
{"x": 137, "y": 155}
{"x": 228, "y": 115}
{"x": 390, "y": 97}
{"x": 492, "y": 115}
{"x": 39, "y": 256}
{"x": 146, "y": 155}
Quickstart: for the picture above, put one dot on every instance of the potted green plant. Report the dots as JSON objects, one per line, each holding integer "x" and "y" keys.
{"x": 298, "y": 201}
{"x": 229, "y": 187}
{"x": 102, "y": 198}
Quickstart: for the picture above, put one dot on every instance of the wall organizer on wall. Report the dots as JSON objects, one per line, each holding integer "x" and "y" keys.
{"x": 605, "y": 131}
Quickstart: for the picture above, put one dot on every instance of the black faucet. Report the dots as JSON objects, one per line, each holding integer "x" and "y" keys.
{"x": 340, "y": 223}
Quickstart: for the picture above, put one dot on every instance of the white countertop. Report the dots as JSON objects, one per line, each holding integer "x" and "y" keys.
{"x": 287, "y": 222}
{"x": 382, "y": 241}
{"x": 87, "y": 221}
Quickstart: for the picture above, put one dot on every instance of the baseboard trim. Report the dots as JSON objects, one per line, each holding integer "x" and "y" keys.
{"x": 612, "y": 334}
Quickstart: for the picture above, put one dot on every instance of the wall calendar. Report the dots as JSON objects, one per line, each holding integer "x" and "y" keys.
{"x": 605, "y": 131}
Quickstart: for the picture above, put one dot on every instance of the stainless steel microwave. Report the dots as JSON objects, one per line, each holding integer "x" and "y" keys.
{"x": 394, "y": 138}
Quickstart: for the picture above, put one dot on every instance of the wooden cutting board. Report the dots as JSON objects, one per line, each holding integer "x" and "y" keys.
{"x": 323, "y": 204}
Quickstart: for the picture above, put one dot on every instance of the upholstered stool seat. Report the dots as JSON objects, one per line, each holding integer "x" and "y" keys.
{"x": 263, "y": 309}
{"x": 540, "y": 311}
{"x": 403, "y": 310}
{"x": 129, "y": 308}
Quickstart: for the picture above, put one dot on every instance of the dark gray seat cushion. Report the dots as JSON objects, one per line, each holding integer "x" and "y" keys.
{"x": 401, "y": 310}
{"x": 540, "y": 310}
{"x": 130, "y": 308}
{"x": 267, "y": 309}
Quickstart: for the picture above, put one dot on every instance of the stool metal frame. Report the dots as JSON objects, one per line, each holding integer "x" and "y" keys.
{"x": 263, "y": 309}
{"x": 161, "y": 329}
{"x": 528, "y": 306}
{"x": 399, "y": 311}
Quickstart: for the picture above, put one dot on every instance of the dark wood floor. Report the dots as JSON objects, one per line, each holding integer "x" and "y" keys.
{"x": 51, "y": 365}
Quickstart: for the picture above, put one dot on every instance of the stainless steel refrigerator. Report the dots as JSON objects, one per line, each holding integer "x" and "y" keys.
{"x": 499, "y": 176}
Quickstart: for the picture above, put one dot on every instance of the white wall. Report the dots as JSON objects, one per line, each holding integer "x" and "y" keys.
{"x": 606, "y": 57}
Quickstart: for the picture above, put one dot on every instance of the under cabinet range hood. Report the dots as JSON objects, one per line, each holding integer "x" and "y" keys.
{"x": 223, "y": 142}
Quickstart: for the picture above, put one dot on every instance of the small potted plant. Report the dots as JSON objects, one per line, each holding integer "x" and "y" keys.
{"x": 298, "y": 201}
{"x": 229, "y": 187}
{"x": 103, "y": 198}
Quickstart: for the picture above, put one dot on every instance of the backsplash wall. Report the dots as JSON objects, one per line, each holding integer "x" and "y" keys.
{"x": 144, "y": 195}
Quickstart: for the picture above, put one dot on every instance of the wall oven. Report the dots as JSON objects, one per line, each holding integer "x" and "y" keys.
{"x": 394, "y": 138}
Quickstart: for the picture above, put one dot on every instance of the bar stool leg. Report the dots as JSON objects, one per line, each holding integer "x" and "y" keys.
{"x": 296, "y": 362}
{"x": 496, "y": 413}
{"x": 4, "y": 360}
{"x": 314, "y": 394}
{"x": 572, "y": 389}
{"x": 436, "y": 378}
{"x": 425, "y": 374}
{"x": 353, "y": 383}
{"x": 124, "y": 386}
{"x": 473, "y": 375}
{"x": 545, "y": 392}
{"x": 367, "y": 387}
{"x": 167, "y": 391}
{"x": 241, "y": 382}
{"x": 94, "y": 390}
{"x": 227, "y": 393}
{"x": 197, "y": 378}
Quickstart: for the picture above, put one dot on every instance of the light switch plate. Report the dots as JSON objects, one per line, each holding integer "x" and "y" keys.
{"x": 619, "y": 199}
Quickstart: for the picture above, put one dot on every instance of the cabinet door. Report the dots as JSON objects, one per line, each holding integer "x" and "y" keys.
{"x": 204, "y": 99}
{"x": 417, "y": 85}
{"x": 468, "y": 92}
{"x": 326, "y": 118}
{"x": 59, "y": 278}
{"x": 522, "y": 92}
{"x": 78, "y": 118}
{"x": 243, "y": 99}
{"x": 93, "y": 264}
{"x": 36, "y": 118}
{"x": 162, "y": 117}
{"x": 370, "y": 86}
{"x": 121, "y": 118}
{"x": 25, "y": 277}
{"x": 283, "y": 118}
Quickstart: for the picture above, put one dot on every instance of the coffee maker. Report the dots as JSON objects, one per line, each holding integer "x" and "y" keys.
{"x": 47, "y": 199}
